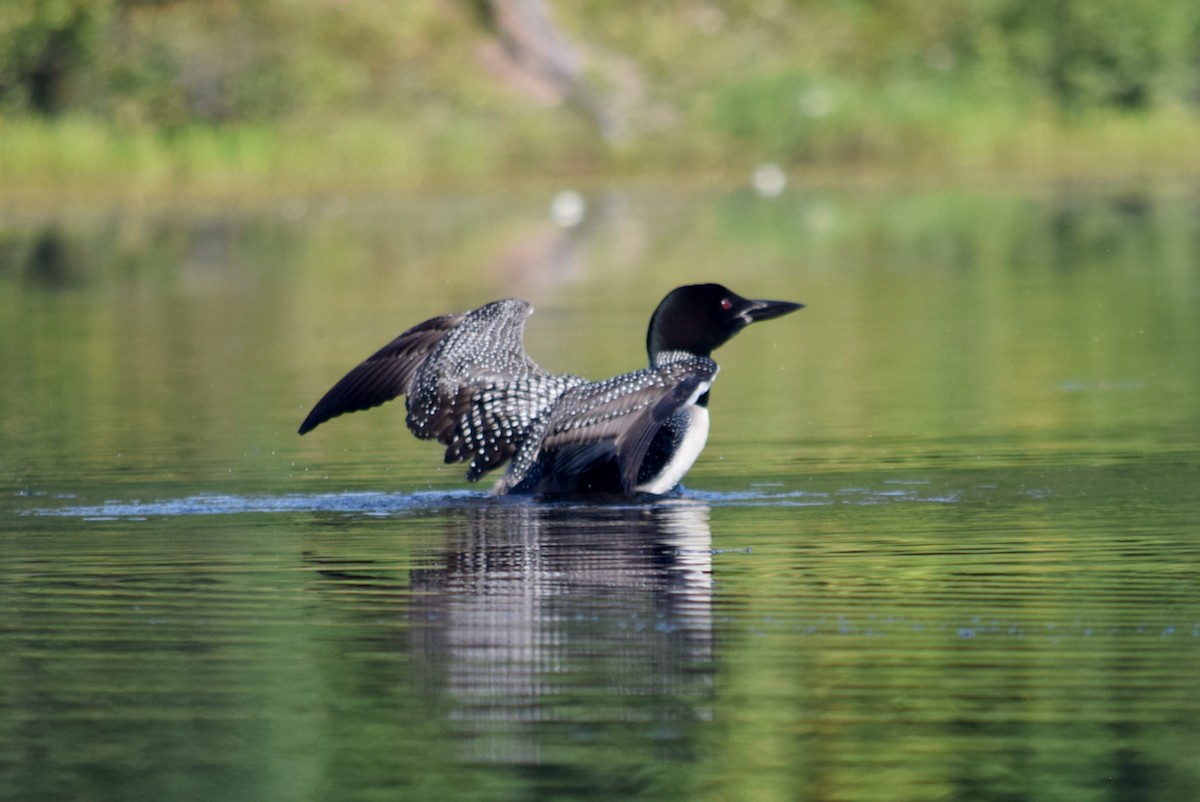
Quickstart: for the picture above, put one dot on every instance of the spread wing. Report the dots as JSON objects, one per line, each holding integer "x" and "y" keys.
{"x": 384, "y": 375}
{"x": 597, "y": 422}
{"x": 469, "y": 382}
{"x": 491, "y": 418}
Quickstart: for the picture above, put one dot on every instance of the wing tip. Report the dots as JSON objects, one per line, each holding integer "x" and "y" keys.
{"x": 314, "y": 419}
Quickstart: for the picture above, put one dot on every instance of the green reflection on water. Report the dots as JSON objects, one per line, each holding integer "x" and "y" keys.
{"x": 953, "y": 506}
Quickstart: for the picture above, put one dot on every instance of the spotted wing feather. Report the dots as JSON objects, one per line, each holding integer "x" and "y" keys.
{"x": 594, "y": 421}
{"x": 493, "y": 418}
{"x": 479, "y": 393}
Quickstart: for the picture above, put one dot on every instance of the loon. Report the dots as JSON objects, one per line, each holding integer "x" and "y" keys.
{"x": 471, "y": 386}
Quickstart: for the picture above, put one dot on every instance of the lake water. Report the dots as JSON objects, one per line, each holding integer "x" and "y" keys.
{"x": 944, "y": 542}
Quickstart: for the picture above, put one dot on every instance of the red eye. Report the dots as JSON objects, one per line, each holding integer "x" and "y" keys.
{"x": 726, "y": 304}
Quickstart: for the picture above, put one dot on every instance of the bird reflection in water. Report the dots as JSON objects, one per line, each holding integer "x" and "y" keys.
{"x": 552, "y": 623}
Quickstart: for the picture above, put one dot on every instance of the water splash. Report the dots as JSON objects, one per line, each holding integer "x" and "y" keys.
{"x": 355, "y": 503}
{"x": 386, "y": 504}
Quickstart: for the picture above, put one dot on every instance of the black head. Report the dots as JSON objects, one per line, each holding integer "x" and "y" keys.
{"x": 699, "y": 318}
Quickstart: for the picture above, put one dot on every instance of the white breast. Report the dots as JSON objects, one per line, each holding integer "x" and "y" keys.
{"x": 695, "y": 436}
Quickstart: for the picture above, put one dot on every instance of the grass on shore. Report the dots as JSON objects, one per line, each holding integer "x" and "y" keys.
{"x": 80, "y": 158}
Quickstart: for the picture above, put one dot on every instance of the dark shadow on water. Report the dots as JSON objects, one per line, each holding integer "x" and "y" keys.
{"x": 47, "y": 260}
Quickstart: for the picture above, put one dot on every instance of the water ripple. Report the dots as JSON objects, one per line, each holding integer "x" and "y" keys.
{"x": 383, "y": 504}
{"x": 356, "y": 503}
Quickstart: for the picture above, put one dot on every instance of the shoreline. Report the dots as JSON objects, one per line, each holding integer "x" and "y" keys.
{"x": 82, "y": 162}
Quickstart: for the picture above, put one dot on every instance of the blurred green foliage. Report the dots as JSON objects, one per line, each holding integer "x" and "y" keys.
{"x": 173, "y": 63}
{"x": 48, "y": 49}
{"x": 696, "y": 84}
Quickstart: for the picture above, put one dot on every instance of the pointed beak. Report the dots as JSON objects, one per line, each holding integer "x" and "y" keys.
{"x": 755, "y": 311}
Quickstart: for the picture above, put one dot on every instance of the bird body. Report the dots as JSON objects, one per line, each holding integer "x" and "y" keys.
{"x": 470, "y": 385}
